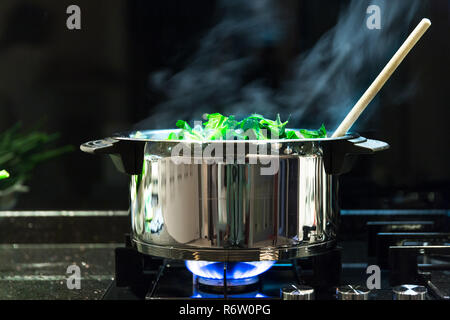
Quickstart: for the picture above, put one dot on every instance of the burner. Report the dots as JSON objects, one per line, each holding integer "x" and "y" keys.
{"x": 245, "y": 295}
{"x": 241, "y": 277}
{"x": 234, "y": 286}
{"x": 234, "y": 270}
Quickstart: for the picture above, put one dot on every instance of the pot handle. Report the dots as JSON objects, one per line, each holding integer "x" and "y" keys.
{"x": 102, "y": 146}
{"x": 362, "y": 145}
{"x": 127, "y": 156}
{"x": 340, "y": 156}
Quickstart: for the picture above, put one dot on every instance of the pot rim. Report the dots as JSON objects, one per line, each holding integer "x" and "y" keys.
{"x": 157, "y": 136}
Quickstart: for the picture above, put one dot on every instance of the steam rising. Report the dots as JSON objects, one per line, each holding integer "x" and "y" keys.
{"x": 322, "y": 85}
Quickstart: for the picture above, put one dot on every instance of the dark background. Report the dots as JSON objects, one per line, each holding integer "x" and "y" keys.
{"x": 90, "y": 83}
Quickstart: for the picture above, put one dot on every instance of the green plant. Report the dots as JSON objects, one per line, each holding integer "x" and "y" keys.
{"x": 21, "y": 151}
{"x": 4, "y": 174}
{"x": 219, "y": 127}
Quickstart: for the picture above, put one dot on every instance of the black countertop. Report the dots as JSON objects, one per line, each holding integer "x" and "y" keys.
{"x": 39, "y": 271}
{"x": 37, "y": 247}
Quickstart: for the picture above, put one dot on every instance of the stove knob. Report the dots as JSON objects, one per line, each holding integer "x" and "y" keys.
{"x": 355, "y": 292}
{"x": 410, "y": 292}
{"x": 297, "y": 292}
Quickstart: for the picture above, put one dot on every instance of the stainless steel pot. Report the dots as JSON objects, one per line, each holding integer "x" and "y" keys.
{"x": 205, "y": 204}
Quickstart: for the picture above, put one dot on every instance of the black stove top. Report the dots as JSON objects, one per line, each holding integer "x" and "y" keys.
{"x": 400, "y": 249}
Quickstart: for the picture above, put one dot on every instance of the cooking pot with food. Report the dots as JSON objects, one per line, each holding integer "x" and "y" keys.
{"x": 233, "y": 200}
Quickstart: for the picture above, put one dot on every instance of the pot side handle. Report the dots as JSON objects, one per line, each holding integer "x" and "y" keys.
{"x": 127, "y": 156}
{"x": 102, "y": 146}
{"x": 340, "y": 156}
{"x": 362, "y": 145}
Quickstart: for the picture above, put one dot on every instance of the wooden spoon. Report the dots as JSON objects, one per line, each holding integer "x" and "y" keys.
{"x": 384, "y": 75}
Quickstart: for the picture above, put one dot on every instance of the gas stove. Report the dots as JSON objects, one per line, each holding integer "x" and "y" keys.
{"x": 141, "y": 276}
{"x": 405, "y": 257}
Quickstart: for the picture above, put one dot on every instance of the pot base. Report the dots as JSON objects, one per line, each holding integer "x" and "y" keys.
{"x": 235, "y": 255}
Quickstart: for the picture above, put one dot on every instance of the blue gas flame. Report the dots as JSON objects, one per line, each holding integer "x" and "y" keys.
{"x": 235, "y": 270}
{"x": 247, "y": 295}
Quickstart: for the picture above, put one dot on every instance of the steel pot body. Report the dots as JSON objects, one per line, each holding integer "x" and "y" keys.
{"x": 268, "y": 200}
